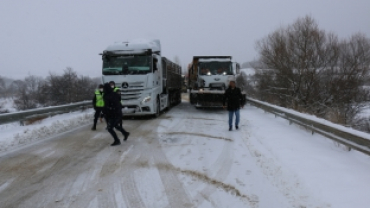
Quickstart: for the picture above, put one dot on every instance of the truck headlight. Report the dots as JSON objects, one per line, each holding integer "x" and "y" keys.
{"x": 146, "y": 99}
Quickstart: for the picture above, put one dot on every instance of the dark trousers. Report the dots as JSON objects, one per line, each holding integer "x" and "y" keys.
{"x": 98, "y": 113}
{"x": 117, "y": 124}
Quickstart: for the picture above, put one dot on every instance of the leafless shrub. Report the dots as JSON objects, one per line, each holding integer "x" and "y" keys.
{"x": 309, "y": 70}
{"x": 2, "y": 87}
{"x": 54, "y": 90}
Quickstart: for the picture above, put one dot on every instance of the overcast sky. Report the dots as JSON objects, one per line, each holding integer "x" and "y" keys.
{"x": 42, "y": 36}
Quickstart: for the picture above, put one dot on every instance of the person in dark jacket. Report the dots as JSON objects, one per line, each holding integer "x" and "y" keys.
{"x": 235, "y": 100}
{"x": 98, "y": 104}
{"x": 113, "y": 113}
{"x": 113, "y": 86}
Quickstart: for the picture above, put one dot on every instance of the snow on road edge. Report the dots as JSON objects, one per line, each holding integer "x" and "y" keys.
{"x": 13, "y": 135}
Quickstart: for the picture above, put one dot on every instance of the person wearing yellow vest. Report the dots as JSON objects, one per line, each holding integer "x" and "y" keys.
{"x": 98, "y": 104}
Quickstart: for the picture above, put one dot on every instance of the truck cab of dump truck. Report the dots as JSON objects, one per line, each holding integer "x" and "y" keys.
{"x": 209, "y": 76}
{"x": 137, "y": 69}
{"x": 215, "y": 73}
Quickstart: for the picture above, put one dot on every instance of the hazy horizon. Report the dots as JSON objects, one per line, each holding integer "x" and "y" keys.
{"x": 41, "y": 36}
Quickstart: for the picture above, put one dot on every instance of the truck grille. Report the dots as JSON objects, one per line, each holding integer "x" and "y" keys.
{"x": 133, "y": 91}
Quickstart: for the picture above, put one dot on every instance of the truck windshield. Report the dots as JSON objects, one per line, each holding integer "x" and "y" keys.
{"x": 127, "y": 65}
{"x": 215, "y": 68}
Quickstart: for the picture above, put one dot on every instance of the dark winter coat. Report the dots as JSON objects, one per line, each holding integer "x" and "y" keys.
{"x": 112, "y": 103}
{"x": 233, "y": 98}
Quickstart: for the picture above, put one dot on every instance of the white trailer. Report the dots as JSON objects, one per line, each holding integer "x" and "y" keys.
{"x": 148, "y": 82}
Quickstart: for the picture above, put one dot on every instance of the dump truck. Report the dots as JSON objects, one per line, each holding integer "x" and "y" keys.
{"x": 148, "y": 83}
{"x": 209, "y": 77}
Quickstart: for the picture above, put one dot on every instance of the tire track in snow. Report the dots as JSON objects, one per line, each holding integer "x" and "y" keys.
{"x": 286, "y": 183}
{"x": 131, "y": 195}
{"x": 214, "y": 183}
{"x": 220, "y": 167}
{"x": 200, "y": 135}
{"x": 176, "y": 193}
{"x": 57, "y": 168}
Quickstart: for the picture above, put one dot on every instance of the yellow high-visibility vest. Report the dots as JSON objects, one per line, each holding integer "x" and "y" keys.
{"x": 99, "y": 99}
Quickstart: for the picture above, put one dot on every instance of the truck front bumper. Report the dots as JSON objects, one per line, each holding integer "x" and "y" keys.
{"x": 136, "y": 108}
{"x": 208, "y": 99}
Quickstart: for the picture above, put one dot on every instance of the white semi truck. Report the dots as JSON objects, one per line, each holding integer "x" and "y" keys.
{"x": 148, "y": 82}
{"x": 209, "y": 77}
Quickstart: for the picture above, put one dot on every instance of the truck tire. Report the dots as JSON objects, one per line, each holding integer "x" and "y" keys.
{"x": 158, "y": 109}
{"x": 178, "y": 97}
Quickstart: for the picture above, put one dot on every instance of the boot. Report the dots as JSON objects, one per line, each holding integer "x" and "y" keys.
{"x": 94, "y": 126}
{"x": 126, "y": 136}
{"x": 237, "y": 127}
{"x": 230, "y": 128}
{"x": 115, "y": 143}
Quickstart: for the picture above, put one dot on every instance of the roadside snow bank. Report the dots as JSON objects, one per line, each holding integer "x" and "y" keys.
{"x": 7, "y": 104}
{"x": 13, "y": 135}
{"x": 316, "y": 119}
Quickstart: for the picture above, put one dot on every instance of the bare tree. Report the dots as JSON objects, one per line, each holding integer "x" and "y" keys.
{"x": 349, "y": 94}
{"x": 309, "y": 70}
{"x": 70, "y": 84}
{"x": 23, "y": 99}
{"x": 86, "y": 85}
{"x": 56, "y": 89}
{"x": 2, "y": 87}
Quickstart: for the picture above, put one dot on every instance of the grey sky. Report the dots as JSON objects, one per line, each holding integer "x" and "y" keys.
{"x": 39, "y": 36}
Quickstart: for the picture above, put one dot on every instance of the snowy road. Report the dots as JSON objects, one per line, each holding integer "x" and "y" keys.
{"x": 187, "y": 158}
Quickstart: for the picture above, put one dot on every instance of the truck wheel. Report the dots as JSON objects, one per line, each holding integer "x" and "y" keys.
{"x": 169, "y": 101}
{"x": 158, "y": 109}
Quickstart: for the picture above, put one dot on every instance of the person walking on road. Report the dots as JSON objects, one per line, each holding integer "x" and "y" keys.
{"x": 235, "y": 100}
{"x": 98, "y": 104}
{"x": 113, "y": 113}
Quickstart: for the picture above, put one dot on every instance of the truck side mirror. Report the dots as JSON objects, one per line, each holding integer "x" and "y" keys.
{"x": 155, "y": 67}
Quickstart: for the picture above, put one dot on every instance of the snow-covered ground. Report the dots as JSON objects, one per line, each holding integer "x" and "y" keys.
{"x": 270, "y": 162}
{"x": 320, "y": 120}
{"x": 13, "y": 135}
{"x": 312, "y": 167}
{"x": 185, "y": 158}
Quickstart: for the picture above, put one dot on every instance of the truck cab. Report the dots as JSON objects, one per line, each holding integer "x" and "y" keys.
{"x": 209, "y": 76}
{"x": 214, "y": 73}
{"x": 136, "y": 68}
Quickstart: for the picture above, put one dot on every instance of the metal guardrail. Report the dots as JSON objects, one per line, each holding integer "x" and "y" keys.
{"x": 47, "y": 111}
{"x": 351, "y": 140}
